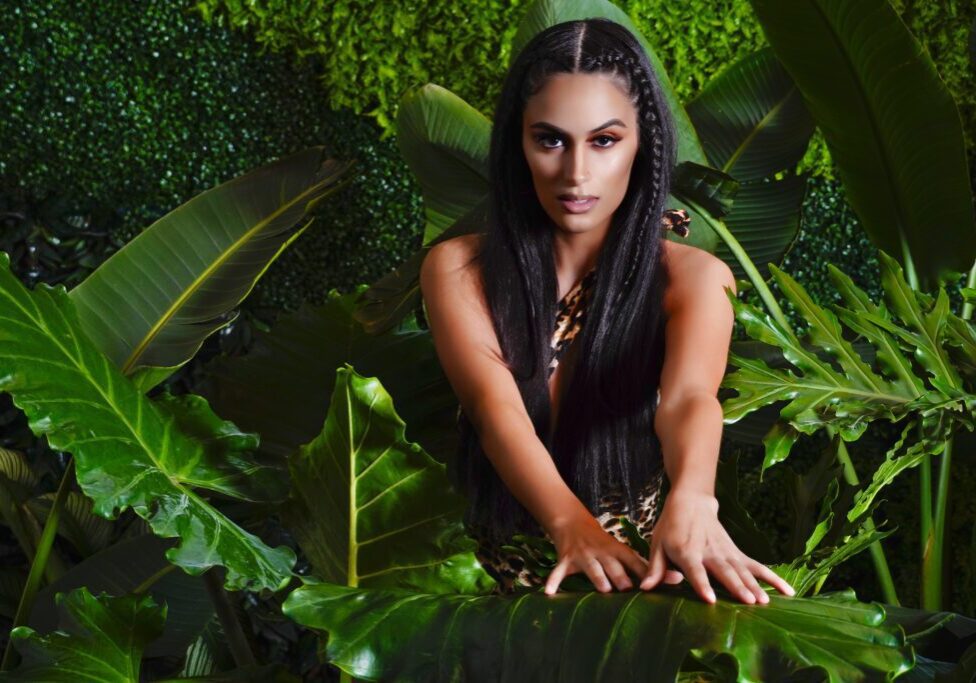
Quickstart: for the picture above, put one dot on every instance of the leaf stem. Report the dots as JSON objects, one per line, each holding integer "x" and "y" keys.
{"x": 877, "y": 552}
{"x": 933, "y": 536}
{"x": 747, "y": 265}
{"x": 44, "y": 548}
{"x": 236, "y": 640}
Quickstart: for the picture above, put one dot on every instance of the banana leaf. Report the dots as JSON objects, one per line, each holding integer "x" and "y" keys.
{"x": 128, "y": 451}
{"x": 444, "y": 141}
{"x": 399, "y": 635}
{"x": 753, "y": 125}
{"x": 891, "y": 125}
{"x": 151, "y": 304}
{"x": 370, "y": 508}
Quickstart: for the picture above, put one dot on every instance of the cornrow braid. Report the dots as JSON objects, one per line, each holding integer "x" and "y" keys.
{"x": 641, "y": 91}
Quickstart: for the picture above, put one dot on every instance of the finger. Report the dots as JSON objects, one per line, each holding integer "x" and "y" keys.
{"x": 657, "y": 563}
{"x": 556, "y": 576}
{"x": 617, "y": 574}
{"x": 698, "y": 578}
{"x": 635, "y": 563}
{"x": 770, "y": 577}
{"x": 673, "y": 577}
{"x": 598, "y": 577}
{"x": 726, "y": 573}
{"x": 749, "y": 581}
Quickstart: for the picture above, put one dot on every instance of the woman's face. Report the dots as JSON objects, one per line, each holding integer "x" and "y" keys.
{"x": 580, "y": 137}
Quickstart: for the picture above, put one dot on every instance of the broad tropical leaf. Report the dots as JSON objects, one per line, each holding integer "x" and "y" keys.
{"x": 753, "y": 125}
{"x": 122, "y": 568}
{"x": 373, "y": 509}
{"x": 302, "y": 352}
{"x": 153, "y": 302}
{"x": 889, "y": 121}
{"x": 104, "y": 643}
{"x": 128, "y": 452}
{"x": 444, "y": 140}
{"x": 622, "y": 636}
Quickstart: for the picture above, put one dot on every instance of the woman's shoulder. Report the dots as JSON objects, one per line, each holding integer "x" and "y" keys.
{"x": 691, "y": 268}
{"x": 452, "y": 262}
{"x": 456, "y": 251}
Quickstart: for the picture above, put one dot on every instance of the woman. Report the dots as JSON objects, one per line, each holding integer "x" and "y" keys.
{"x": 563, "y": 431}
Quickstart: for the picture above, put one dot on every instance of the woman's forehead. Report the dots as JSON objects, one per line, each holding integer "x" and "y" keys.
{"x": 578, "y": 102}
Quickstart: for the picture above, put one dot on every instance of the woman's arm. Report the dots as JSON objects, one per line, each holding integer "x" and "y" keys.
{"x": 688, "y": 423}
{"x": 470, "y": 354}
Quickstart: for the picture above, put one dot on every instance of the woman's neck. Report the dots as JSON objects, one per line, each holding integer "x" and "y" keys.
{"x": 575, "y": 255}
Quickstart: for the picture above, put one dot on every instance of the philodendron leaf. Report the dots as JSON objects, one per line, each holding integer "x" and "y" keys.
{"x": 370, "y": 508}
{"x": 302, "y": 352}
{"x": 395, "y": 635}
{"x": 128, "y": 452}
{"x": 104, "y": 643}
{"x": 836, "y": 386}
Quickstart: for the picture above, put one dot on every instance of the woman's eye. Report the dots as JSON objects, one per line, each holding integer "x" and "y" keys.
{"x": 541, "y": 139}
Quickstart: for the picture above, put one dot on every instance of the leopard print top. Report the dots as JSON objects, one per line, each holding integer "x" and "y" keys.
{"x": 507, "y": 567}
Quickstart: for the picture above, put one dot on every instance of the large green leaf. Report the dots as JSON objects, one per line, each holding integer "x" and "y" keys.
{"x": 890, "y": 123}
{"x": 622, "y": 636}
{"x": 373, "y": 509}
{"x": 302, "y": 352}
{"x": 753, "y": 125}
{"x": 153, "y": 302}
{"x": 128, "y": 452}
{"x": 104, "y": 643}
{"x": 444, "y": 141}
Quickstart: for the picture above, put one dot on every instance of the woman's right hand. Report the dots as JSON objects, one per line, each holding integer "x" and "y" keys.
{"x": 583, "y": 545}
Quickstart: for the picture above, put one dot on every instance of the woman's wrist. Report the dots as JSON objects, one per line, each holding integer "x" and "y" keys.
{"x": 566, "y": 518}
{"x": 693, "y": 494}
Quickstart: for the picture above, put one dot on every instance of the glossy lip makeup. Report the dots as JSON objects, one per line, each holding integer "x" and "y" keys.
{"x": 579, "y": 207}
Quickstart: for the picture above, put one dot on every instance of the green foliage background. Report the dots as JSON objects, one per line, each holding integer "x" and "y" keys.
{"x": 114, "y": 113}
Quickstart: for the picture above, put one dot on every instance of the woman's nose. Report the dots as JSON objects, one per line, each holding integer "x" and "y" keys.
{"x": 576, "y": 167}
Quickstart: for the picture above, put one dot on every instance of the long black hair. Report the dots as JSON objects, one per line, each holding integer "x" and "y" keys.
{"x": 604, "y": 436}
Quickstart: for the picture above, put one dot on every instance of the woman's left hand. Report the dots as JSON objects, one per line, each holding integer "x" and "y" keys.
{"x": 689, "y": 534}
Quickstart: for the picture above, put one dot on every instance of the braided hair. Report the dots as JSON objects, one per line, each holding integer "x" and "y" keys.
{"x": 604, "y": 435}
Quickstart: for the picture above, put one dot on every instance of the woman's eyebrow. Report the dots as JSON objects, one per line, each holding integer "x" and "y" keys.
{"x": 549, "y": 126}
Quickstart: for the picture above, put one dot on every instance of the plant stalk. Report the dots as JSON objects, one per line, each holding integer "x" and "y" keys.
{"x": 877, "y": 552}
{"x": 933, "y": 535}
{"x": 44, "y": 549}
{"x": 236, "y": 640}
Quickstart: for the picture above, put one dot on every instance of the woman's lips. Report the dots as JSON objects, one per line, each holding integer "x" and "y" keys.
{"x": 578, "y": 207}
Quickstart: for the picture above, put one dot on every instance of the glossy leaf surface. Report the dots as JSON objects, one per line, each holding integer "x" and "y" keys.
{"x": 587, "y": 637}
{"x": 373, "y": 509}
{"x": 128, "y": 452}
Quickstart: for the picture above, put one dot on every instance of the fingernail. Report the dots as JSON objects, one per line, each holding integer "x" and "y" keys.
{"x": 711, "y": 595}
{"x": 791, "y": 591}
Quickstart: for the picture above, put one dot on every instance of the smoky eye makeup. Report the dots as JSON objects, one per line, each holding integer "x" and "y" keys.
{"x": 604, "y": 140}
